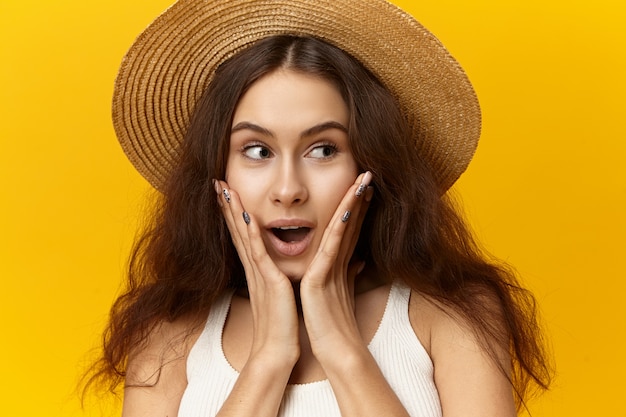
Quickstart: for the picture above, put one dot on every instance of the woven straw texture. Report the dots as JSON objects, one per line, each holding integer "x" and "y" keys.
{"x": 170, "y": 64}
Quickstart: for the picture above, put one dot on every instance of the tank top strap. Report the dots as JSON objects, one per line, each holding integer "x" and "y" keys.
{"x": 209, "y": 342}
{"x": 395, "y": 322}
{"x": 399, "y": 297}
{"x": 217, "y": 317}
{"x": 397, "y": 309}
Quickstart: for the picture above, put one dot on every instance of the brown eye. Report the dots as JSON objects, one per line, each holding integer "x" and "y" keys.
{"x": 323, "y": 151}
{"x": 257, "y": 152}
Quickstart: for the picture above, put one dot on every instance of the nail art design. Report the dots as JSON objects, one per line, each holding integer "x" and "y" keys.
{"x": 246, "y": 217}
{"x": 345, "y": 216}
{"x": 226, "y": 195}
{"x": 363, "y": 186}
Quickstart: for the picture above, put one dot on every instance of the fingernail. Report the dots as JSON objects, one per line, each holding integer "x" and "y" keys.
{"x": 364, "y": 183}
{"x": 226, "y": 195}
{"x": 360, "y": 190}
{"x": 246, "y": 217}
{"x": 345, "y": 216}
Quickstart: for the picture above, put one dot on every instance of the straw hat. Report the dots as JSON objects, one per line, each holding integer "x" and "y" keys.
{"x": 173, "y": 60}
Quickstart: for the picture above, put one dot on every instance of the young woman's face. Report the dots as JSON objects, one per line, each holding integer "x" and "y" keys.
{"x": 291, "y": 163}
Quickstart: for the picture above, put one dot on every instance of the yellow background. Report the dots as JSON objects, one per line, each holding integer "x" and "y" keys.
{"x": 546, "y": 192}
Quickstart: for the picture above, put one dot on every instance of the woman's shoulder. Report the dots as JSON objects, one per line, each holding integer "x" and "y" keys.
{"x": 156, "y": 374}
{"x": 164, "y": 351}
{"x": 466, "y": 375}
{"x": 432, "y": 321}
{"x": 436, "y": 322}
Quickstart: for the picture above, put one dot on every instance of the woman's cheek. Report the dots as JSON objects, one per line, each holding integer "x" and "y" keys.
{"x": 250, "y": 187}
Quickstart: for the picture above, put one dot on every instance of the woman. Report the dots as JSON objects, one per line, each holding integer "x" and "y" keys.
{"x": 303, "y": 258}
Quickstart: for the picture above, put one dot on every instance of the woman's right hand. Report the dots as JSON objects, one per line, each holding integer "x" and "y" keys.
{"x": 275, "y": 341}
{"x": 272, "y": 300}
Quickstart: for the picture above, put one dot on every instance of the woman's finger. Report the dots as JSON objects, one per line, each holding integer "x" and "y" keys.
{"x": 342, "y": 232}
{"x": 344, "y": 211}
{"x": 242, "y": 224}
{"x": 238, "y": 235}
{"x": 351, "y": 235}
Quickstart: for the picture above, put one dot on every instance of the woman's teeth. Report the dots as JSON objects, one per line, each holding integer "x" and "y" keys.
{"x": 291, "y": 233}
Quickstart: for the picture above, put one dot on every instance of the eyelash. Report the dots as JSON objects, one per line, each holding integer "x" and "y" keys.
{"x": 326, "y": 145}
{"x": 252, "y": 145}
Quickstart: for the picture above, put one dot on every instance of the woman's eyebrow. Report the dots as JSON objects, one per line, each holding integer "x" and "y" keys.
{"x": 307, "y": 133}
{"x": 251, "y": 126}
{"x": 322, "y": 127}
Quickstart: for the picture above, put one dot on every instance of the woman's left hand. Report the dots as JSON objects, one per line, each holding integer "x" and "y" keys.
{"x": 328, "y": 307}
{"x": 327, "y": 287}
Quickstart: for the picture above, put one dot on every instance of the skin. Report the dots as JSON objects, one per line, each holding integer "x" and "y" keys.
{"x": 288, "y": 164}
{"x": 290, "y": 160}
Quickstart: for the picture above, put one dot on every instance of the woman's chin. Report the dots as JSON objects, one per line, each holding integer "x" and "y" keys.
{"x": 293, "y": 272}
{"x": 294, "y": 267}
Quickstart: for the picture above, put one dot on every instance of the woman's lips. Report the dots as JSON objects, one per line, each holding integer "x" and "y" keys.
{"x": 290, "y": 240}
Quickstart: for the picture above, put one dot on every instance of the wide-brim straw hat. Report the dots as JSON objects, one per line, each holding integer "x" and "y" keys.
{"x": 171, "y": 63}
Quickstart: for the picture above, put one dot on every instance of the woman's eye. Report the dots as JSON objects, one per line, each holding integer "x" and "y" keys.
{"x": 257, "y": 152}
{"x": 322, "y": 152}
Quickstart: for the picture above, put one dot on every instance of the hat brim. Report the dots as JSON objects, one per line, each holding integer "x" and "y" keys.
{"x": 170, "y": 64}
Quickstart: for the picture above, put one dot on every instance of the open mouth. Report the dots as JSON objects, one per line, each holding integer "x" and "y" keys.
{"x": 291, "y": 233}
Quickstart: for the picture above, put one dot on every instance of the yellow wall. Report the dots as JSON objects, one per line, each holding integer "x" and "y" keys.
{"x": 546, "y": 192}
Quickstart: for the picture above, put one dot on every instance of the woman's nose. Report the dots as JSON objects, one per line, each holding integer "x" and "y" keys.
{"x": 289, "y": 186}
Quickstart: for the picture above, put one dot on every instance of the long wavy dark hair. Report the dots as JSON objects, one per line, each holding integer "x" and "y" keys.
{"x": 184, "y": 259}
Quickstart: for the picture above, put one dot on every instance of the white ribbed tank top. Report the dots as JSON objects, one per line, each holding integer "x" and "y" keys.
{"x": 401, "y": 357}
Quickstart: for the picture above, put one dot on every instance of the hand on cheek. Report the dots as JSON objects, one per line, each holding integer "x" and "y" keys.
{"x": 327, "y": 288}
{"x": 274, "y": 313}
